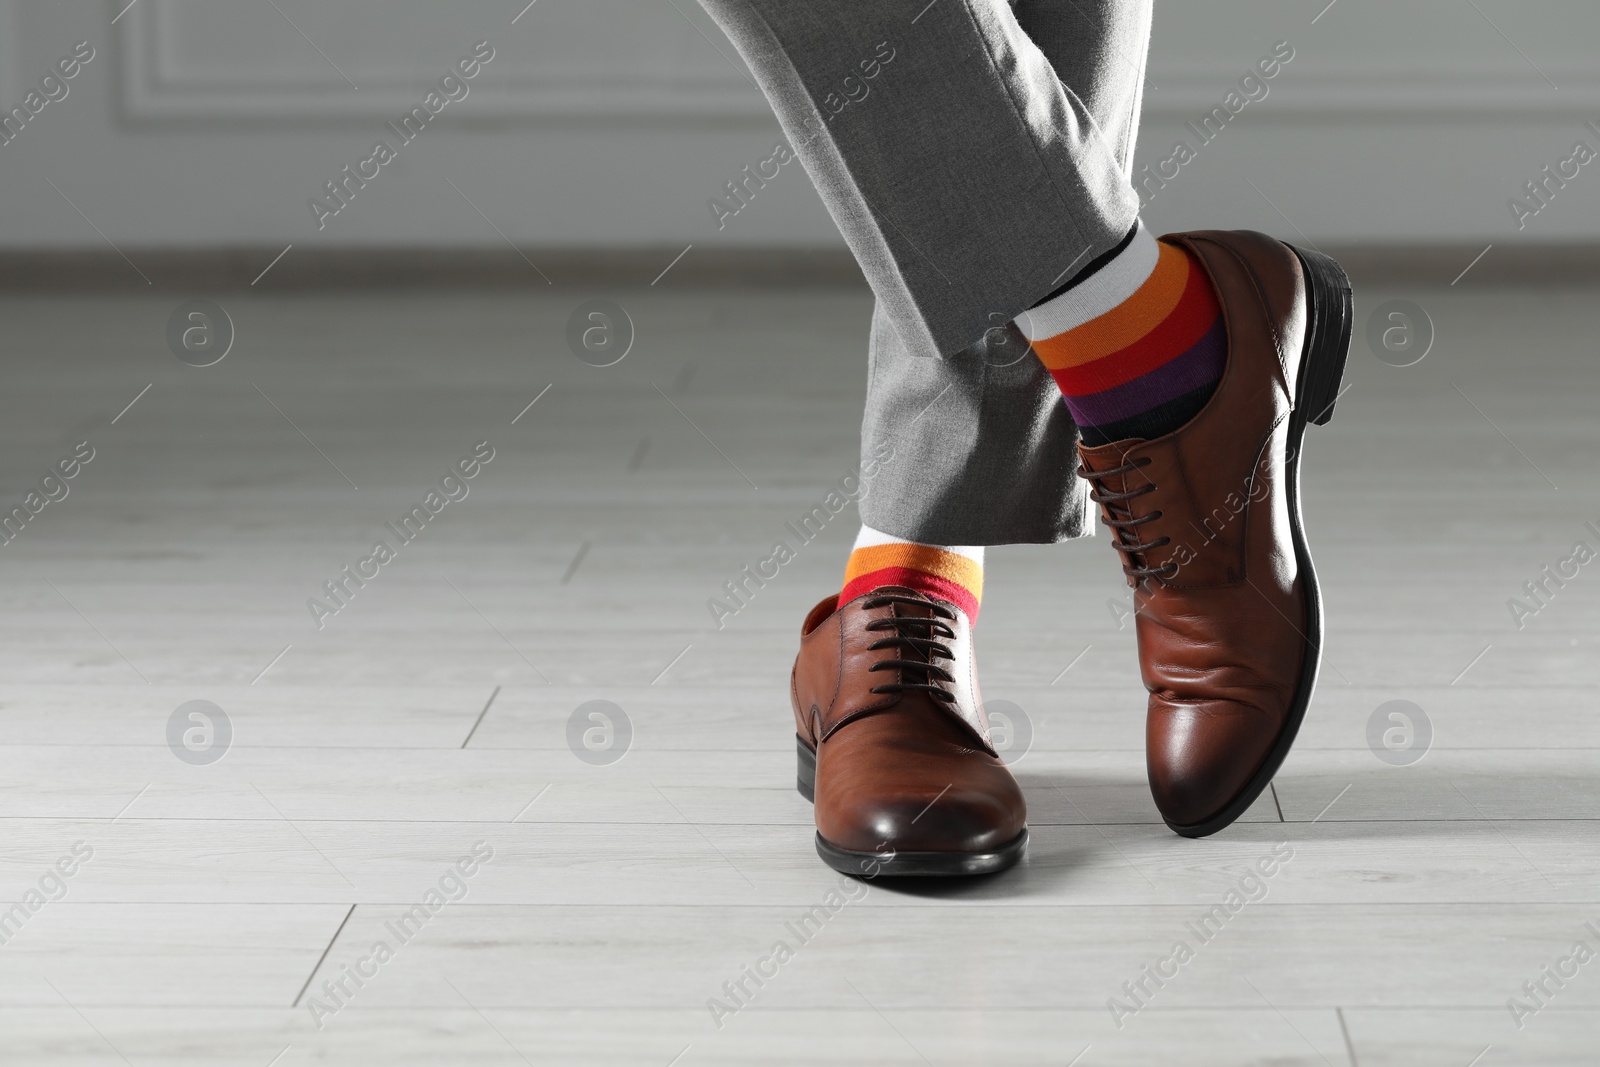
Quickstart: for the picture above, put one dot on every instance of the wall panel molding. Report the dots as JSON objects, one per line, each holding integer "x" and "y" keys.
{"x": 161, "y": 82}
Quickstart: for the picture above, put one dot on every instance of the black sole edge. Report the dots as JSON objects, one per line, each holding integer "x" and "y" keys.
{"x": 1327, "y": 344}
{"x": 890, "y": 864}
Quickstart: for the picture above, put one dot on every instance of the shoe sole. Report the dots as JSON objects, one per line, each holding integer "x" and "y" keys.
{"x": 901, "y": 864}
{"x": 1330, "y": 317}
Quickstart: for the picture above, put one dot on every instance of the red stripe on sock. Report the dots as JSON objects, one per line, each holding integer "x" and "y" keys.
{"x": 921, "y": 581}
{"x": 1196, "y": 312}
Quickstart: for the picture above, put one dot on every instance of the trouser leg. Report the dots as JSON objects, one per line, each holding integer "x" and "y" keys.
{"x": 993, "y": 459}
{"x": 971, "y": 169}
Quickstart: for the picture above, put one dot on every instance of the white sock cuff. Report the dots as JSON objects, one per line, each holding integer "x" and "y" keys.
{"x": 1104, "y": 290}
{"x": 870, "y": 538}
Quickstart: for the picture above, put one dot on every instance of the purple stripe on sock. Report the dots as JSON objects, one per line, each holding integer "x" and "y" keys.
{"x": 1201, "y": 365}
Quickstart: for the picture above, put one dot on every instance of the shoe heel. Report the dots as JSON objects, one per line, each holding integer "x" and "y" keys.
{"x": 1331, "y": 315}
{"x": 806, "y": 778}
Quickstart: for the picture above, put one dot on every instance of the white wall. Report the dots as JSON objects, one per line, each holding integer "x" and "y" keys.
{"x": 611, "y": 122}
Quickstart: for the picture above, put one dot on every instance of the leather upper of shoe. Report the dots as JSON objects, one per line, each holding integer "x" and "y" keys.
{"x": 885, "y": 689}
{"x": 1201, "y": 517}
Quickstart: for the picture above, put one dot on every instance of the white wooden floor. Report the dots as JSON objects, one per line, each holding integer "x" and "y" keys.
{"x": 431, "y": 713}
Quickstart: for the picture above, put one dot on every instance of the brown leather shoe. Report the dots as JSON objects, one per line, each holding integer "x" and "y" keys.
{"x": 893, "y": 743}
{"x": 1229, "y": 619}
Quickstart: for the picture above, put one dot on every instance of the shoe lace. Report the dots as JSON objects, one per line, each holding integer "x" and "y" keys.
{"x": 1120, "y": 518}
{"x": 913, "y": 634}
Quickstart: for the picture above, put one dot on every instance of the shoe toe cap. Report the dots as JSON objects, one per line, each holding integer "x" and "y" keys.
{"x": 977, "y": 817}
{"x": 1202, "y": 755}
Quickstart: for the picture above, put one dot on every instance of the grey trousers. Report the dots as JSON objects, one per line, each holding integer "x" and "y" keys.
{"x": 974, "y": 154}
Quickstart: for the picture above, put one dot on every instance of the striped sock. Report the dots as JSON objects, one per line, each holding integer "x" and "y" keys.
{"x": 949, "y": 572}
{"x": 1138, "y": 346}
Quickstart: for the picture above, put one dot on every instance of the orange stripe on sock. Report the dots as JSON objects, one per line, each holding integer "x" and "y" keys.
{"x": 926, "y": 558}
{"x": 1126, "y": 324}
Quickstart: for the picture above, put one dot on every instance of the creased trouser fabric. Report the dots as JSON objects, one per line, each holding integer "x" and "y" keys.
{"x": 970, "y": 175}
